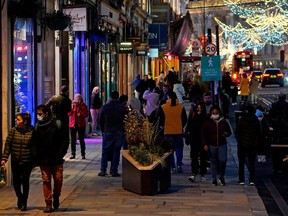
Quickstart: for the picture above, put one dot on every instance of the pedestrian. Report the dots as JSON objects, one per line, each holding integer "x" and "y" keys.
{"x": 134, "y": 84}
{"x": 213, "y": 136}
{"x": 234, "y": 93}
{"x": 247, "y": 134}
{"x": 50, "y": 147}
{"x": 195, "y": 121}
{"x": 18, "y": 145}
{"x": 112, "y": 126}
{"x": 142, "y": 87}
{"x": 244, "y": 87}
{"x": 208, "y": 103}
{"x": 253, "y": 88}
{"x": 179, "y": 91}
{"x": 78, "y": 115}
{"x": 173, "y": 119}
{"x": 151, "y": 82}
{"x": 264, "y": 138}
{"x": 96, "y": 104}
{"x": 61, "y": 106}
{"x": 152, "y": 98}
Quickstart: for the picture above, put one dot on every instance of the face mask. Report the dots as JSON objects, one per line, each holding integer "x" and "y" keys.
{"x": 215, "y": 117}
{"x": 260, "y": 118}
{"x": 40, "y": 118}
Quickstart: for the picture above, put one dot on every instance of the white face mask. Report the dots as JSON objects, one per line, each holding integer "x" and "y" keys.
{"x": 215, "y": 117}
{"x": 260, "y": 118}
{"x": 40, "y": 118}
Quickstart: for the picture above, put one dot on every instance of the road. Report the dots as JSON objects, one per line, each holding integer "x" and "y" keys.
{"x": 272, "y": 186}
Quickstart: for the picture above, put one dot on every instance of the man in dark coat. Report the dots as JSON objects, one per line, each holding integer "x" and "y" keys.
{"x": 247, "y": 135}
{"x": 49, "y": 147}
{"x": 111, "y": 121}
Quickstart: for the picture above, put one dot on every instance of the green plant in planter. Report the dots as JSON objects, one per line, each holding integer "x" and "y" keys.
{"x": 145, "y": 142}
{"x": 57, "y": 20}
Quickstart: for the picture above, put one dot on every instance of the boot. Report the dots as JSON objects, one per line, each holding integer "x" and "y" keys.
{"x": 24, "y": 204}
{"x": 56, "y": 202}
{"x": 48, "y": 209}
{"x": 19, "y": 202}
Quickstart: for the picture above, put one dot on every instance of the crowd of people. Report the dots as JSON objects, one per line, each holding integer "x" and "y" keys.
{"x": 205, "y": 129}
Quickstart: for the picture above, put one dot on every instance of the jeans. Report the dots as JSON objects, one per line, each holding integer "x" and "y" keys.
{"x": 81, "y": 136}
{"x": 21, "y": 176}
{"x": 218, "y": 158}
{"x": 197, "y": 152}
{"x": 178, "y": 149}
{"x": 94, "y": 118}
{"x": 251, "y": 156}
{"x": 47, "y": 172}
{"x": 111, "y": 142}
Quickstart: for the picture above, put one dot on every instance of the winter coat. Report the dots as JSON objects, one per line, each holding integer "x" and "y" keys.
{"x": 77, "y": 115}
{"x": 18, "y": 145}
{"x": 253, "y": 86}
{"x": 152, "y": 100}
{"x": 112, "y": 116}
{"x": 96, "y": 102}
{"x": 244, "y": 87}
{"x": 215, "y": 132}
{"x": 180, "y": 92}
{"x": 247, "y": 132}
{"x": 49, "y": 143}
{"x": 173, "y": 118}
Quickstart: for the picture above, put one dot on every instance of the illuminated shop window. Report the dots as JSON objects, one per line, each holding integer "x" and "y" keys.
{"x": 24, "y": 66}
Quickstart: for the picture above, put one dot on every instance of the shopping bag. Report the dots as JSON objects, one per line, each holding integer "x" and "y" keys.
{"x": 3, "y": 176}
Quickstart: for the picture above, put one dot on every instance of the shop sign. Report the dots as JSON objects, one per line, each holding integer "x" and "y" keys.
{"x": 126, "y": 48}
{"x": 141, "y": 53}
{"x": 79, "y": 18}
{"x": 157, "y": 36}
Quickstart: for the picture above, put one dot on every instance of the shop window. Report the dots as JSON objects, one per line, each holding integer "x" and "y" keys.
{"x": 23, "y": 40}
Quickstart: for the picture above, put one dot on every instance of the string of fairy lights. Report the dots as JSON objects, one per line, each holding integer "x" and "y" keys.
{"x": 266, "y": 22}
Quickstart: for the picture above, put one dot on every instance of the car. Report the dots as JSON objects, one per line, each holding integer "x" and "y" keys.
{"x": 258, "y": 74}
{"x": 272, "y": 76}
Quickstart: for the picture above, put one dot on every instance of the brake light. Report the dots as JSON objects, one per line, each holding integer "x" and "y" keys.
{"x": 266, "y": 75}
{"x": 234, "y": 76}
{"x": 280, "y": 75}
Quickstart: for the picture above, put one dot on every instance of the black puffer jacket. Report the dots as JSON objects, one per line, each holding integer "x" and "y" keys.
{"x": 18, "y": 145}
{"x": 248, "y": 131}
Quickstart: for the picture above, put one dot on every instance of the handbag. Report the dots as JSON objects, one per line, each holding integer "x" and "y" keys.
{"x": 3, "y": 176}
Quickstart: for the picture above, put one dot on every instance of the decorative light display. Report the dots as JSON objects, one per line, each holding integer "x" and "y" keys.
{"x": 265, "y": 23}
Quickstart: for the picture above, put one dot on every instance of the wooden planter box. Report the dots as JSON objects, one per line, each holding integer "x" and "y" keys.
{"x": 145, "y": 180}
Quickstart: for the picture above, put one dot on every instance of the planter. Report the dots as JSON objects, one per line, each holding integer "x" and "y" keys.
{"x": 145, "y": 180}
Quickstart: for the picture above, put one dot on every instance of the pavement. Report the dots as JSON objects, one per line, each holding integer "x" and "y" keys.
{"x": 85, "y": 193}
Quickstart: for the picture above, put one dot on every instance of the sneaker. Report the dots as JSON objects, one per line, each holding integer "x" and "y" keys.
{"x": 115, "y": 174}
{"x": 241, "y": 183}
{"x": 48, "y": 209}
{"x": 72, "y": 157}
{"x": 83, "y": 157}
{"x": 214, "y": 182}
{"x": 173, "y": 170}
{"x": 251, "y": 184}
{"x": 222, "y": 181}
{"x": 95, "y": 134}
{"x": 192, "y": 178}
{"x": 202, "y": 179}
{"x": 102, "y": 174}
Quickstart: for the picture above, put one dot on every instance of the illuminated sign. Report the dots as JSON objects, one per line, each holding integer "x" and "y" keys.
{"x": 126, "y": 47}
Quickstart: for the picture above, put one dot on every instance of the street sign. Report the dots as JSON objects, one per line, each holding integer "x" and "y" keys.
{"x": 196, "y": 43}
{"x": 210, "y": 49}
{"x": 210, "y": 68}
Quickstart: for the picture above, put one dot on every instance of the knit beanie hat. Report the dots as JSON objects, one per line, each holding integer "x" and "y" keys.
{"x": 259, "y": 113}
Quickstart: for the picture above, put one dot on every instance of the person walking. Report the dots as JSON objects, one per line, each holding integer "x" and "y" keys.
{"x": 18, "y": 145}
{"x": 61, "y": 106}
{"x": 152, "y": 99}
{"x": 179, "y": 91}
{"x": 49, "y": 148}
{"x": 244, "y": 87}
{"x": 96, "y": 104}
{"x": 196, "y": 119}
{"x": 264, "y": 138}
{"x": 173, "y": 119}
{"x": 247, "y": 133}
{"x": 253, "y": 88}
{"x": 213, "y": 136}
{"x": 78, "y": 115}
{"x": 111, "y": 121}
